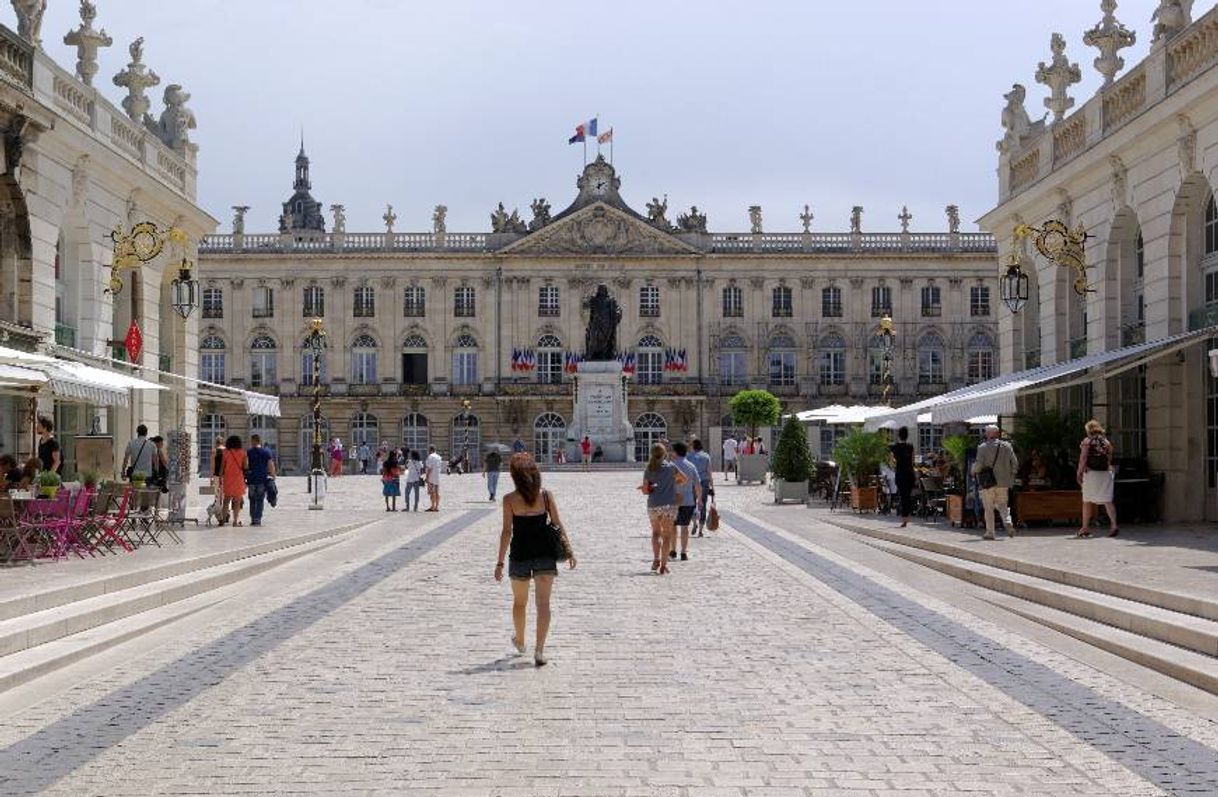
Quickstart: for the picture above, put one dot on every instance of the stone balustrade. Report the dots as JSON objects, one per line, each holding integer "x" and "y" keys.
{"x": 1069, "y": 139}
{"x": 1125, "y": 99}
{"x": 16, "y": 60}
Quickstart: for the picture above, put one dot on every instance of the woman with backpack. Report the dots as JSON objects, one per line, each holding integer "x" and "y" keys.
{"x": 1096, "y": 477}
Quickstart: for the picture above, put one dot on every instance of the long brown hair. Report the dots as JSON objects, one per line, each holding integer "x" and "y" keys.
{"x": 525, "y": 475}
{"x": 658, "y": 453}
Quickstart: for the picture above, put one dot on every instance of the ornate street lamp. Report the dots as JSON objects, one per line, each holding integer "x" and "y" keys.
{"x": 1014, "y": 284}
{"x": 464, "y": 421}
{"x": 315, "y": 343}
{"x": 185, "y": 290}
{"x": 887, "y": 342}
{"x": 1062, "y": 246}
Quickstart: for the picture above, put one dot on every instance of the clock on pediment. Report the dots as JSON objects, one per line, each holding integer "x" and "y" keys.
{"x": 598, "y": 182}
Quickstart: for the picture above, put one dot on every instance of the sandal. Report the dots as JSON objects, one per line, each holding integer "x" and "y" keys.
{"x": 1082, "y": 533}
{"x": 655, "y": 564}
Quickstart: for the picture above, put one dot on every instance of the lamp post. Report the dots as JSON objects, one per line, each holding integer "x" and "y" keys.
{"x": 887, "y": 341}
{"x": 143, "y": 244}
{"x": 315, "y": 342}
{"x": 464, "y": 420}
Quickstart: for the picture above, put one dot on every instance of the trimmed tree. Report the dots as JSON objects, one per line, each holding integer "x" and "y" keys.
{"x": 755, "y": 408}
{"x": 792, "y": 457}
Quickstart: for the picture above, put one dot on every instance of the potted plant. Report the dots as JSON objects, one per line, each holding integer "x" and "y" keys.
{"x": 48, "y": 483}
{"x": 139, "y": 480}
{"x": 860, "y": 454}
{"x": 792, "y": 463}
{"x": 957, "y": 447}
{"x": 753, "y": 409}
{"x": 90, "y": 479}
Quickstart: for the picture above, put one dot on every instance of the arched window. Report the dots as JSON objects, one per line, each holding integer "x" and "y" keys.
{"x": 263, "y": 355}
{"x": 363, "y": 360}
{"x": 211, "y": 427}
{"x": 782, "y": 360}
{"x": 415, "y": 436}
{"x": 364, "y": 429}
{"x": 733, "y": 360}
{"x": 549, "y": 434}
{"x": 211, "y": 359}
{"x": 930, "y": 359}
{"x": 465, "y": 360}
{"x": 649, "y": 354}
{"x": 649, "y": 428}
{"x": 549, "y": 360}
{"x": 267, "y": 428}
{"x": 305, "y": 439}
{"x": 980, "y": 366}
{"x": 831, "y": 366}
{"x": 466, "y": 437}
{"x": 733, "y": 302}
{"x": 414, "y": 360}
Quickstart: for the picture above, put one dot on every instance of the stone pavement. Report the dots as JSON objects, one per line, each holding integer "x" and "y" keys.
{"x": 764, "y": 666}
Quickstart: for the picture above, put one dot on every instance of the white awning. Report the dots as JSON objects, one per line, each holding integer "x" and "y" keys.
{"x": 76, "y": 381}
{"x": 17, "y": 377}
{"x": 997, "y": 396}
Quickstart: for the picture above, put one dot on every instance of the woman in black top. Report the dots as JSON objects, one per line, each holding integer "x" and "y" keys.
{"x": 903, "y": 465}
{"x": 524, "y": 528}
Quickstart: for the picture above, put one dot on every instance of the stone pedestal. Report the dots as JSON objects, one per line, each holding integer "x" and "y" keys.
{"x": 600, "y": 410}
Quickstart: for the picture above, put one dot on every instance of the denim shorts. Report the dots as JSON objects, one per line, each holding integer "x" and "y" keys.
{"x": 527, "y": 568}
{"x": 685, "y": 514}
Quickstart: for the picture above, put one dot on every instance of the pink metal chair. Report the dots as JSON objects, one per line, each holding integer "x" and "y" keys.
{"x": 112, "y": 528}
{"x": 38, "y": 528}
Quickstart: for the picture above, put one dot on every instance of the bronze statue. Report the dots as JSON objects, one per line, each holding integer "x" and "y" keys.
{"x": 604, "y": 314}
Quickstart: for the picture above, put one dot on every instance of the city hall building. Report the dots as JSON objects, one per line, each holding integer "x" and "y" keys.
{"x": 466, "y": 338}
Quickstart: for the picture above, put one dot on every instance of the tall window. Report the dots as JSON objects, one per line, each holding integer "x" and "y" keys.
{"x": 930, "y": 359}
{"x": 415, "y": 435}
{"x": 213, "y": 303}
{"x": 875, "y": 360}
{"x": 549, "y": 360}
{"x": 264, "y": 301}
{"x": 263, "y": 355}
{"x": 465, "y": 361}
{"x": 267, "y": 428}
{"x": 547, "y": 301}
{"x": 314, "y": 301}
{"x": 832, "y": 364}
{"x": 881, "y": 301}
{"x": 306, "y": 367}
{"x": 363, "y": 360}
{"x": 930, "y": 438}
{"x": 650, "y": 354}
{"x": 782, "y": 302}
{"x": 831, "y": 302}
{"x": 463, "y": 302}
{"x": 414, "y": 360}
{"x": 733, "y": 302}
{"x": 365, "y": 429}
{"x": 980, "y": 359}
{"x": 733, "y": 355}
{"x": 932, "y": 303}
{"x": 1211, "y": 227}
{"x": 649, "y": 301}
{"x": 211, "y": 427}
{"x": 414, "y": 301}
{"x": 211, "y": 360}
{"x": 364, "y": 302}
{"x": 979, "y": 300}
{"x": 1139, "y": 255}
{"x": 782, "y": 360}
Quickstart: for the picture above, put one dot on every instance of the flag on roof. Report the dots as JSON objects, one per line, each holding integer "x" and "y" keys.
{"x": 583, "y": 130}
{"x": 605, "y": 137}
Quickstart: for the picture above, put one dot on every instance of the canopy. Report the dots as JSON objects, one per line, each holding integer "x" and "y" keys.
{"x": 16, "y": 377}
{"x": 997, "y": 396}
{"x": 838, "y": 414}
{"x": 70, "y": 380}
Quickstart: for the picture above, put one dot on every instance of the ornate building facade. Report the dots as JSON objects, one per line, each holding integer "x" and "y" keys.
{"x": 421, "y": 322}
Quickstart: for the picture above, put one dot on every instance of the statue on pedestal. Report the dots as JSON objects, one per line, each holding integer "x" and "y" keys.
{"x": 604, "y": 315}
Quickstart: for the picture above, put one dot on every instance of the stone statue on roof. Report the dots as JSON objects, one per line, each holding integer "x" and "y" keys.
{"x": 693, "y": 221}
{"x": 439, "y": 216}
{"x": 657, "y": 211}
{"x": 541, "y": 214}
{"x": 1016, "y": 123}
{"x": 499, "y": 219}
{"x": 29, "y": 19}
{"x": 856, "y": 218}
{"x": 176, "y": 120}
{"x": 239, "y": 212}
{"x": 1169, "y": 18}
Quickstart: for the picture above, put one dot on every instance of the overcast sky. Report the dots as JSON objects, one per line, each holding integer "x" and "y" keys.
{"x": 720, "y": 104}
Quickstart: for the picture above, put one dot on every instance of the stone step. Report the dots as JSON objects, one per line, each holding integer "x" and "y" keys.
{"x": 1153, "y": 622}
{"x": 992, "y": 556}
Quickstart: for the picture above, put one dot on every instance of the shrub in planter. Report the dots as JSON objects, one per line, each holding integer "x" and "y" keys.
{"x": 792, "y": 466}
{"x": 957, "y": 447}
{"x": 755, "y": 408}
{"x": 91, "y": 479}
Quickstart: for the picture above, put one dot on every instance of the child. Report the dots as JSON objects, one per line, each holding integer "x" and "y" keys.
{"x": 390, "y": 471}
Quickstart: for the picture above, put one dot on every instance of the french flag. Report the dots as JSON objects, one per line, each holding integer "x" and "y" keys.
{"x": 584, "y": 131}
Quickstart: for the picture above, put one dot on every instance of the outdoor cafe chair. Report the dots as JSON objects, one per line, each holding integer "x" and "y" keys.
{"x": 143, "y": 518}
{"x": 8, "y": 528}
{"x": 933, "y": 498}
{"x": 112, "y": 528}
{"x": 39, "y": 524}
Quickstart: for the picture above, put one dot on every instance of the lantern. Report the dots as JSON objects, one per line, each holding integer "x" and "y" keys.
{"x": 1014, "y": 284}
{"x": 185, "y": 290}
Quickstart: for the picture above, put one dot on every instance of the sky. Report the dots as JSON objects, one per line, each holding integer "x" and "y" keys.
{"x": 723, "y": 105}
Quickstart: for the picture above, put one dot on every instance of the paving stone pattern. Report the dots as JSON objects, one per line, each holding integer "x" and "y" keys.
{"x": 387, "y": 671}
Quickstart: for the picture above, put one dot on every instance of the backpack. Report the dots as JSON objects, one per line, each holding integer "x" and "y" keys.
{"x": 1097, "y": 456}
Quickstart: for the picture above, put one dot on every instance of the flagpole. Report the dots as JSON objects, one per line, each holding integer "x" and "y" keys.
{"x": 585, "y": 149}
{"x": 611, "y": 146}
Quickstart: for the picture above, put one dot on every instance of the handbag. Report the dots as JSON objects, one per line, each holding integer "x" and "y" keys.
{"x": 712, "y": 518}
{"x": 985, "y": 474}
{"x": 555, "y": 535}
{"x": 272, "y": 492}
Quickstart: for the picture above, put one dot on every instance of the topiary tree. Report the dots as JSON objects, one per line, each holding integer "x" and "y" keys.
{"x": 792, "y": 457}
{"x": 755, "y": 408}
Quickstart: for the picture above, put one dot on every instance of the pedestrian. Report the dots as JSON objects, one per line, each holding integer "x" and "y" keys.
{"x": 995, "y": 468}
{"x": 706, "y": 482}
{"x": 216, "y": 509}
{"x": 746, "y": 446}
{"x": 391, "y": 488}
{"x": 660, "y": 487}
{"x": 336, "y": 458}
{"x": 232, "y": 473}
{"x": 364, "y": 454}
{"x": 160, "y": 465}
{"x": 10, "y": 473}
{"x": 689, "y": 494}
{"x": 490, "y": 471}
{"x": 585, "y": 451}
{"x": 431, "y": 473}
{"x": 730, "y": 448}
{"x": 560, "y": 455}
{"x": 138, "y": 458}
{"x": 261, "y": 471}
{"x": 49, "y": 453}
{"x": 528, "y": 512}
{"x": 414, "y": 480}
{"x": 759, "y": 446}
{"x": 1096, "y": 477}
{"x": 903, "y": 466}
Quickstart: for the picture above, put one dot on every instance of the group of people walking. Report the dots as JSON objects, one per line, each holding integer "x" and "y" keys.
{"x": 679, "y": 486}
{"x": 733, "y": 448}
{"x": 238, "y": 471}
{"x": 418, "y": 472}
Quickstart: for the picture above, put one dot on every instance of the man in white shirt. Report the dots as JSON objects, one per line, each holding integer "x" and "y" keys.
{"x": 432, "y": 468}
{"x": 730, "y": 446}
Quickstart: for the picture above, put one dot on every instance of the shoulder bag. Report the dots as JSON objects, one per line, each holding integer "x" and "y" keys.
{"x": 555, "y": 534}
{"x": 131, "y": 468}
{"x": 985, "y": 473}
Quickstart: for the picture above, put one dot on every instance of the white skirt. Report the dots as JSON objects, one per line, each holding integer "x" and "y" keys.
{"x": 1097, "y": 486}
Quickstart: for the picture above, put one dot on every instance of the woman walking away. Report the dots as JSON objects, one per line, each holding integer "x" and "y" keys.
{"x": 903, "y": 465}
{"x": 232, "y": 476}
{"x": 391, "y": 489}
{"x": 414, "y": 481}
{"x": 1096, "y": 477}
{"x": 528, "y": 511}
{"x": 660, "y": 487}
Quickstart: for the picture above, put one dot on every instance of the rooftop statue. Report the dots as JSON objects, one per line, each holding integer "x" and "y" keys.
{"x": 1170, "y": 18}
{"x": 29, "y": 19}
{"x": 1059, "y": 74}
{"x": 176, "y": 120}
{"x": 657, "y": 210}
{"x": 541, "y": 214}
{"x": 86, "y": 40}
{"x": 693, "y": 221}
{"x": 755, "y": 218}
{"x": 439, "y": 216}
{"x": 1015, "y": 121}
{"x": 856, "y": 218}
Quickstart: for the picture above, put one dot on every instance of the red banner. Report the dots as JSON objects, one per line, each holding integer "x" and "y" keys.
{"x": 134, "y": 342}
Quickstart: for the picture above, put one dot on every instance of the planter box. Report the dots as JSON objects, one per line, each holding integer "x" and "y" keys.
{"x": 865, "y": 499}
{"x": 955, "y": 510}
{"x": 1063, "y": 505}
{"x": 789, "y": 491}
{"x": 752, "y": 467}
